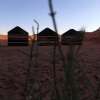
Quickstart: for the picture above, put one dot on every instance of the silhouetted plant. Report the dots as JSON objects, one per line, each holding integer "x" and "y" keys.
{"x": 27, "y": 89}
{"x": 97, "y": 93}
{"x": 30, "y": 88}
{"x": 36, "y": 53}
{"x": 68, "y": 68}
{"x": 82, "y": 35}
{"x": 70, "y": 83}
{"x": 52, "y": 14}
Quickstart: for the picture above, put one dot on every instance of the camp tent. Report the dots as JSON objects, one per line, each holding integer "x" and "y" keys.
{"x": 72, "y": 37}
{"x": 17, "y": 37}
{"x": 47, "y": 37}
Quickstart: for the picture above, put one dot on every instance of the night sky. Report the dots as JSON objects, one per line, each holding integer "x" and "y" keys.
{"x": 69, "y": 14}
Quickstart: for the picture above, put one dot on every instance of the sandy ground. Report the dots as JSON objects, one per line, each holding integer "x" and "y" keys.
{"x": 14, "y": 63}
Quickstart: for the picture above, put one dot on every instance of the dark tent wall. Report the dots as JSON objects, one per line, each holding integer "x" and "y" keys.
{"x": 17, "y": 37}
{"x": 72, "y": 37}
{"x": 47, "y": 37}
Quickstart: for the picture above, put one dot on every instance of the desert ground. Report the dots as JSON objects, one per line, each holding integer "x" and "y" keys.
{"x": 14, "y": 63}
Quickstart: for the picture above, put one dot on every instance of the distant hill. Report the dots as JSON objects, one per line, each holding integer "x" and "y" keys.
{"x": 4, "y": 39}
{"x": 93, "y": 36}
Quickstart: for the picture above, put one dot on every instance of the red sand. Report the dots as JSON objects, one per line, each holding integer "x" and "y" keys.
{"x": 13, "y": 65}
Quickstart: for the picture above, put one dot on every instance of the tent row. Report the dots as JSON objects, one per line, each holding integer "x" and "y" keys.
{"x": 19, "y": 37}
